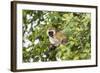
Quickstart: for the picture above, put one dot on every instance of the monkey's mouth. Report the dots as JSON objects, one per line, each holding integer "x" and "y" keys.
{"x": 50, "y": 33}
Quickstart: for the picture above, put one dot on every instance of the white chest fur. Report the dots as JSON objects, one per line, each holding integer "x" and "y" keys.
{"x": 54, "y": 41}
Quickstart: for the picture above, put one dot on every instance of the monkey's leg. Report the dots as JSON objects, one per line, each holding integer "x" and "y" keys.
{"x": 50, "y": 49}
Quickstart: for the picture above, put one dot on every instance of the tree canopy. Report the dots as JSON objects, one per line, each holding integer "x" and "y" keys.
{"x": 75, "y": 25}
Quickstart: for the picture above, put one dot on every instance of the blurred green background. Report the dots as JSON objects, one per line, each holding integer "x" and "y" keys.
{"x": 76, "y": 26}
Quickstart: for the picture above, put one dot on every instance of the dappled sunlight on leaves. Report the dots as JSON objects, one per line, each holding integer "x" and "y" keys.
{"x": 76, "y": 27}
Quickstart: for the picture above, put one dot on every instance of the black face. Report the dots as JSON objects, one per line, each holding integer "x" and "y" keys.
{"x": 50, "y": 33}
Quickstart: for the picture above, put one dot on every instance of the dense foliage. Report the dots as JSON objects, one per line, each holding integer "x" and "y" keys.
{"x": 75, "y": 25}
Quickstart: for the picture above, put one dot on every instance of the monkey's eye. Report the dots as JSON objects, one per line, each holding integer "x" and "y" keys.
{"x": 50, "y": 33}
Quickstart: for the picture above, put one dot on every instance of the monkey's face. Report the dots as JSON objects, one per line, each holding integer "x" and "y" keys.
{"x": 50, "y": 33}
{"x": 56, "y": 37}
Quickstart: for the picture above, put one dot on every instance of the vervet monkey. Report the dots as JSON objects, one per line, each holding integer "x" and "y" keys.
{"x": 56, "y": 37}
